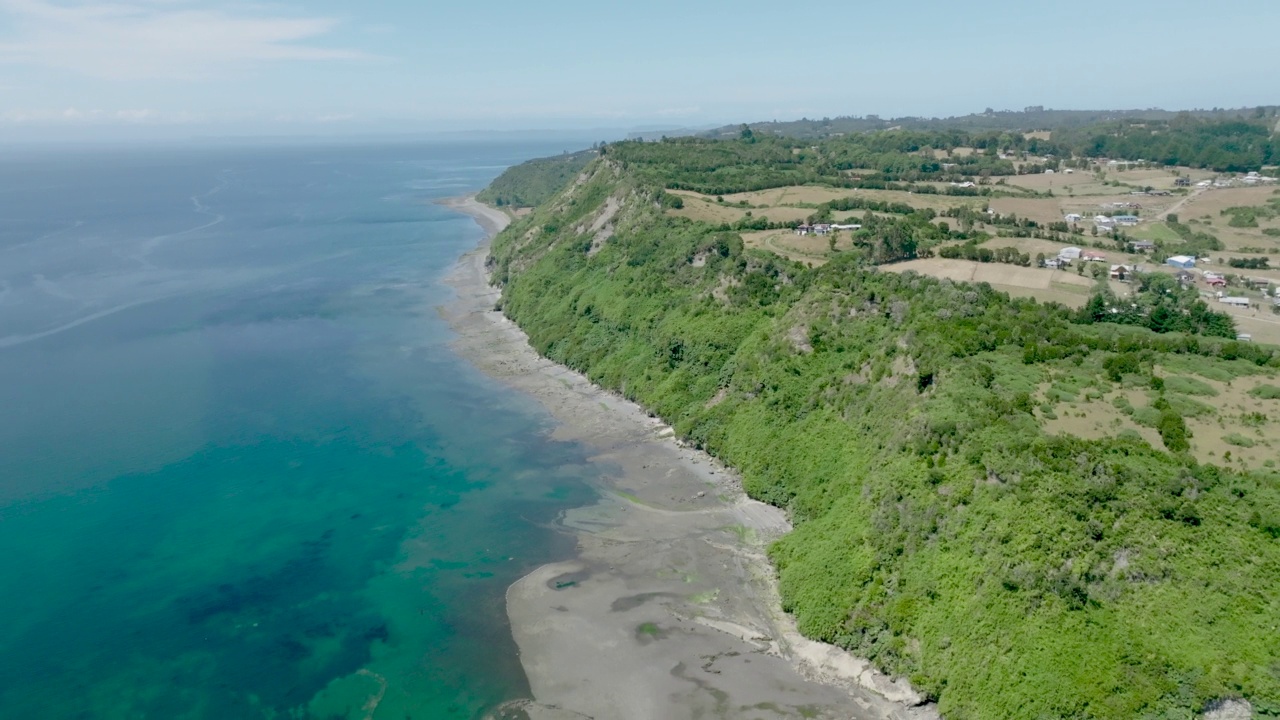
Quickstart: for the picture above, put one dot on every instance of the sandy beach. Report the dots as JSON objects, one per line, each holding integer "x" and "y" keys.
{"x": 670, "y": 609}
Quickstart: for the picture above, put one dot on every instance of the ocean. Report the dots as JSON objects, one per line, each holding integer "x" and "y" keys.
{"x": 242, "y": 474}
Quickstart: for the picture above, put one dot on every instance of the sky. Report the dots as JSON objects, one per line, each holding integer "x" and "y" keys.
{"x": 334, "y": 67}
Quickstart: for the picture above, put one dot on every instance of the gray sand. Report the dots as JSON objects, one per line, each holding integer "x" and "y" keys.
{"x": 671, "y": 608}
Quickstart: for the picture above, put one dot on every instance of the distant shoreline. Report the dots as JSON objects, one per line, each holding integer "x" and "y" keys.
{"x": 671, "y": 607}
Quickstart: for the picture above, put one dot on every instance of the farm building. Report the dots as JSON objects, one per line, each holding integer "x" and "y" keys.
{"x": 1093, "y": 256}
{"x": 1235, "y": 301}
{"x": 1125, "y": 220}
{"x": 1069, "y": 253}
{"x": 1074, "y": 217}
{"x": 813, "y": 229}
{"x": 1181, "y": 261}
{"x": 1142, "y": 246}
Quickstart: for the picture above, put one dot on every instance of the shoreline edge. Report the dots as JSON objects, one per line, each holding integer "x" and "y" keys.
{"x": 671, "y": 608}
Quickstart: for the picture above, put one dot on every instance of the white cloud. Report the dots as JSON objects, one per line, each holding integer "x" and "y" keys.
{"x": 97, "y": 116}
{"x": 156, "y": 39}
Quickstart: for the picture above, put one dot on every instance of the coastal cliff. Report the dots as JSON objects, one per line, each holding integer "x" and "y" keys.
{"x": 942, "y": 530}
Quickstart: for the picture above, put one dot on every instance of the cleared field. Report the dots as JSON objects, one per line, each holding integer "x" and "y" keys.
{"x": 811, "y": 250}
{"x": 1215, "y": 201}
{"x": 812, "y": 195}
{"x": 1042, "y": 210}
{"x": 956, "y": 152}
{"x": 1077, "y": 183}
{"x": 1206, "y": 209}
{"x": 1067, "y": 288}
{"x": 1155, "y": 232}
{"x": 1233, "y": 427}
{"x": 696, "y": 207}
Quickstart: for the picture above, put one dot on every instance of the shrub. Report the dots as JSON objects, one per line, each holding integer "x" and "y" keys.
{"x": 1266, "y": 392}
{"x": 1189, "y": 386}
{"x": 1173, "y": 431}
{"x": 1238, "y": 440}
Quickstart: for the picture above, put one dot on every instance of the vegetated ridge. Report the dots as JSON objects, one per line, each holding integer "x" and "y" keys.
{"x": 535, "y": 182}
{"x": 940, "y": 529}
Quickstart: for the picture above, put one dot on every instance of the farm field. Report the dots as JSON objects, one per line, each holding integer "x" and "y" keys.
{"x": 812, "y": 250}
{"x": 1204, "y": 212}
{"x": 809, "y": 196}
{"x": 1065, "y": 287}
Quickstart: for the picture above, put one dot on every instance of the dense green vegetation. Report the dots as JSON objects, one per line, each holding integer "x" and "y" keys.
{"x": 1222, "y": 145}
{"x": 537, "y": 181}
{"x": 941, "y": 531}
{"x": 1031, "y": 118}
{"x": 1226, "y": 142}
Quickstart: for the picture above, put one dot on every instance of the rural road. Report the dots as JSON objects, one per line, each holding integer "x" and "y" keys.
{"x": 1178, "y": 205}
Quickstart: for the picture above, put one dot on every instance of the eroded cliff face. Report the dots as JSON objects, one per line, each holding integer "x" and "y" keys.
{"x": 942, "y": 531}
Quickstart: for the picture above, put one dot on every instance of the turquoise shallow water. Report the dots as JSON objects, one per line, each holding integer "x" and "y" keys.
{"x": 241, "y": 473}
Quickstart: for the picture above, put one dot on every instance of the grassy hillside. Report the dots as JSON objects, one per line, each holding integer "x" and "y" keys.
{"x": 946, "y": 527}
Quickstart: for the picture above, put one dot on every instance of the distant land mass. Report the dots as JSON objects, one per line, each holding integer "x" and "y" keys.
{"x": 1013, "y": 375}
{"x": 1027, "y": 119}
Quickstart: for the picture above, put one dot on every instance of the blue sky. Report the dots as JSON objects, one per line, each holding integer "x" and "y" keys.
{"x": 326, "y": 66}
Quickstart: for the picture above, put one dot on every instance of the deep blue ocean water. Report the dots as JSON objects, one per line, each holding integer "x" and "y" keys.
{"x": 241, "y": 473}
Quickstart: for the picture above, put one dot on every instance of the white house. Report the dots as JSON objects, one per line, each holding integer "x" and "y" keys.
{"x": 1074, "y": 217}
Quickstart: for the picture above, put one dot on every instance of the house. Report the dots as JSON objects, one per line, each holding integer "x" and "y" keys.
{"x": 804, "y": 229}
{"x": 1092, "y": 256}
{"x": 1182, "y": 182}
{"x": 1181, "y": 261}
{"x": 822, "y": 229}
{"x": 1102, "y": 221}
{"x": 1216, "y": 282}
{"x": 1069, "y": 253}
{"x": 1125, "y": 219}
{"x": 1185, "y": 278}
{"x": 1054, "y": 263}
{"x": 1142, "y": 246}
{"x": 1120, "y": 272}
{"x": 1074, "y": 217}
{"x": 1234, "y": 301}
{"x": 1258, "y": 283}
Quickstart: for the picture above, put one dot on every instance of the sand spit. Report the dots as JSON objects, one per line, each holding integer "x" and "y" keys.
{"x": 671, "y": 608}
